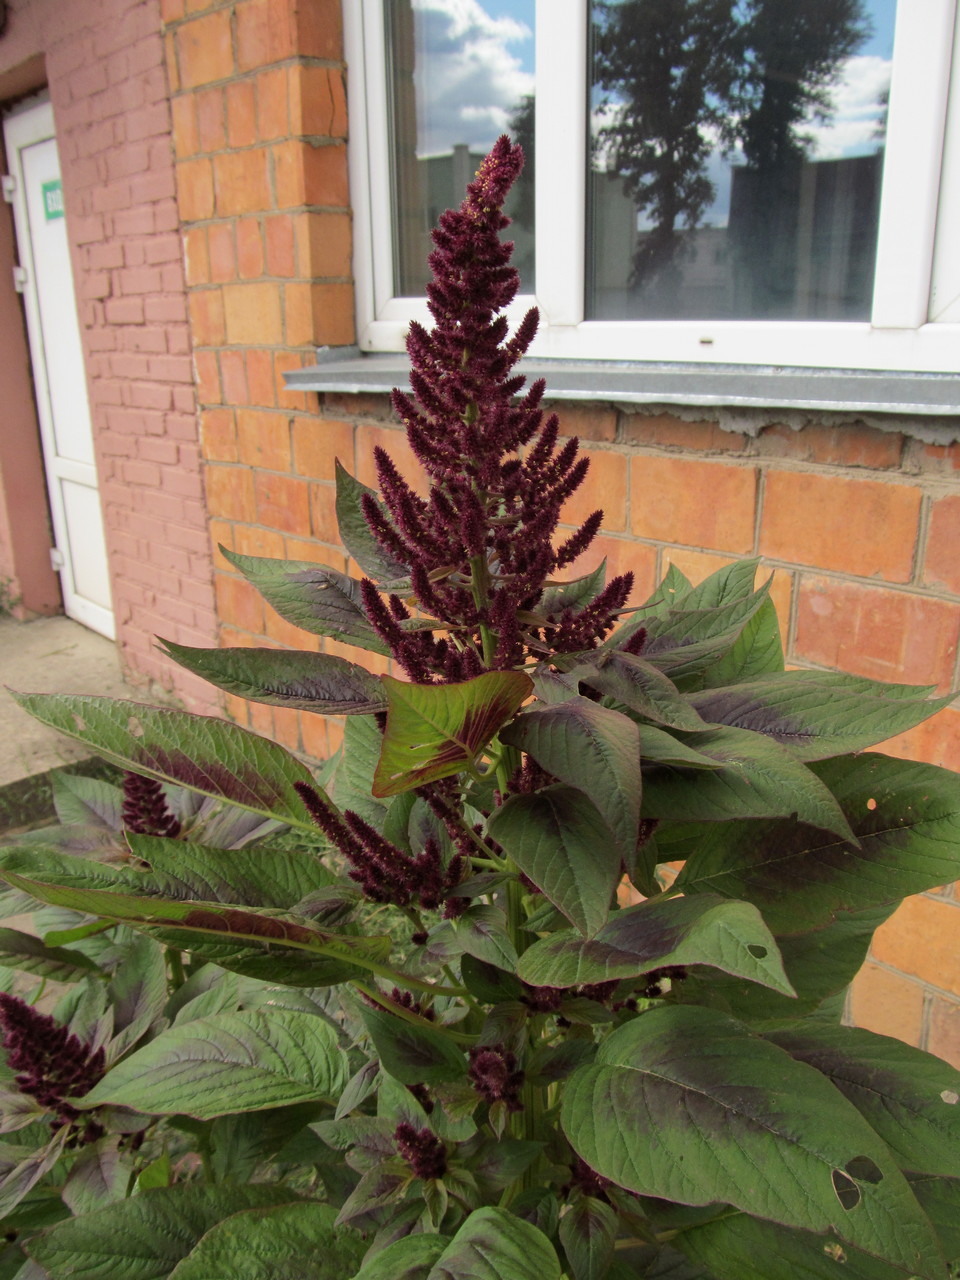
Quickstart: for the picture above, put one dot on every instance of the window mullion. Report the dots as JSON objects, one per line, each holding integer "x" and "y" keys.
{"x": 561, "y": 193}
{"x": 911, "y": 172}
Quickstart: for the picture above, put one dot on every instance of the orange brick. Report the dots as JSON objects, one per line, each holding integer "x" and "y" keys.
{"x": 622, "y": 556}
{"x": 233, "y": 372}
{"x": 313, "y": 735}
{"x": 208, "y": 377}
{"x": 936, "y": 741}
{"x": 263, "y": 439}
{"x": 846, "y": 446}
{"x": 920, "y": 938}
{"x": 318, "y": 27}
{"x": 286, "y": 633}
{"x": 252, "y": 314}
{"x": 862, "y": 527}
{"x": 223, "y": 258}
{"x": 941, "y": 566}
{"x": 261, "y": 719}
{"x": 236, "y": 708}
{"x": 230, "y": 493}
{"x": 196, "y": 256}
{"x": 698, "y": 504}
{"x": 206, "y": 317}
{"x": 335, "y": 734}
{"x": 315, "y": 553}
{"x": 873, "y": 631}
{"x": 242, "y": 181}
{"x": 265, "y": 33}
{"x": 605, "y": 487}
{"x": 672, "y": 433}
{"x": 887, "y": 1003}
{"x": 587, "y": 422}
{"x": 171, "y": 10}
{"x": 281, "y": 256}
{"x": 211, "y": 119}
{"x": 318, "y": 314}
{"x": 395, "y": 443}
{"x": 205, "y": 49}
{"x": 221, "y": 535}
{"x": 218, "y": 435}
{"x": 273, "y": 120}
{"x": 283, "y": 503}
{"x": 317, "y": 102}
{"x": 253, "y": 541}
{"x": 286, "y": 727}
{"x": 317, "y": 444}
{"x": 943, "y": 1036}
{"x": 195, "y": 190}
{"x": 935, "y": 459}
{"x": 260, "y": 377}
{"x": 323, "y": 522}
{"x": 249, "y": 248}
{"x": 324, "y": 246}
{"x": 241, "y": 114}
{"x": 284, "y": 361}
{"x": 307, "y": 174}
{"x": 186, "y": 137}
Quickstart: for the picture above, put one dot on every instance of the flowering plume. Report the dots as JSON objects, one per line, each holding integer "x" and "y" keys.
{"x": 145, "y": 809}
{"x": 479, "y": 548}
{"x": 51, "y": 1064}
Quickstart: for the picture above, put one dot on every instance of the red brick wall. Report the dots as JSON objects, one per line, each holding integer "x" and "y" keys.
{"x": 107, "y": 81}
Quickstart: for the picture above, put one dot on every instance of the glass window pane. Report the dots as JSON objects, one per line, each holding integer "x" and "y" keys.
{"x": 736, "y": 157}
{"x": 461, "y": 74}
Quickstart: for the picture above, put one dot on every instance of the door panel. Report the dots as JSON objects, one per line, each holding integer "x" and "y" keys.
{"x": 58, "y": 367}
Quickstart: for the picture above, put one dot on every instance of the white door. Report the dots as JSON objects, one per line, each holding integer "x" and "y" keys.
{"x": 54, "y": 331}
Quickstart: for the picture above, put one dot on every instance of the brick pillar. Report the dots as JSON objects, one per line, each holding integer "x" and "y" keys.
{"x": 260, "y": 122}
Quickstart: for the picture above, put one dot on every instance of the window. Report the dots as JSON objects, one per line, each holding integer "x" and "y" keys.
{"x": 718, "y": 181}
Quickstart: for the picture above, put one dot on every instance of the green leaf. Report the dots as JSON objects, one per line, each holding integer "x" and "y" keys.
{"x": 25, "y": 952}
{"x": 587, "y": 1233}
{"x": 674, "y": 588}
{"x": 738, "y": 1247}
{"x": 356, "y": 536}
{"x": 434, "y": 731}
{"x": 80, "y": 800}
{"x": 482, "y": 932}
{"x": 296, "y": 1241}
{"x": 728, "y": 583}
{"x": 639, "y": 685}
{"x": 708, "y": 930}
{"x": 120, "y": 893}
{"x": 757, "y": 651}
{"x": 299, "y": 679}
{"x": 143, "y": 1238}
{"x": 660, "y": 747}
{"x": 685, "y": 641}
{"x": 313, "y": 597}
{"x": 241, "y": 1143}
{"x": 909, "y": 1097}
{"x": 820, "y": 713}
{"x": 17, "y": 1181}
{"x": 560, "y": 840}
{"x": 410, "y": 1258}
{"x": 411, "y": 1053}
{"x": 494, "y": 1245}
{"x": 907, "y": 820}
{"x": 687, "y": 1105}
{"x": 352, "y": 783}
{"x": 198, "y": 752}
{"x": 574, "y": 594}
{"x": 593, "y": 749}
{"x": 759, "y": 779}
{"x": 100, "y": 1175}
{"x": 228, "y": 1062}
{"x": 137, "y": 993}
{"x": 255, "y": 876}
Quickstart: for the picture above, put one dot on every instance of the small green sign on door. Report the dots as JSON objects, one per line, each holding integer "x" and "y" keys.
{"x": 53, "y": 199}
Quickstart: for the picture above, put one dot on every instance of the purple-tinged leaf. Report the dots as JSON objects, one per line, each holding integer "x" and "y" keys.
{"x": 436, "y": 730}
{"x": 311, "y": 596}
{"x": 639, "y": 685}
{"x": 587, "y": 1234}
{"x": 356, "y": 536}
{"x": 202, "y": 753}
{"x": 299, "y": 679}
{"x": 493, "y": 1244}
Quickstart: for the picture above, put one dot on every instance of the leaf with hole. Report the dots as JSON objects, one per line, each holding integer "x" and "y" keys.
{"x": 707, "y": 930}
{"x": 686, "y": 1104}
{"x": 298, "y": 679}
{"x": 434, "y": 731}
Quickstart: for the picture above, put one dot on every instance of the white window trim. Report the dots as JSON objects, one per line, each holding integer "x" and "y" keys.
{"x": 918, "y": 273}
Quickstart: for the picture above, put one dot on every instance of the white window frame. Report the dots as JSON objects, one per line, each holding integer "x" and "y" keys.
{"x": 917, "y": 276}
